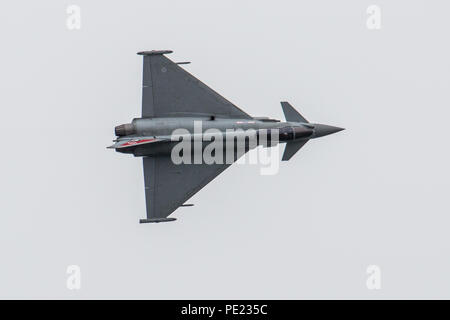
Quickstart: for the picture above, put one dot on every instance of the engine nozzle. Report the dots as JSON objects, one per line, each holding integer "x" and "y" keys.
{"x": 125, "y": 130}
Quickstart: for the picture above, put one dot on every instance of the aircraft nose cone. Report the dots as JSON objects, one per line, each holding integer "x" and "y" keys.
{"x": 321, "y": 130}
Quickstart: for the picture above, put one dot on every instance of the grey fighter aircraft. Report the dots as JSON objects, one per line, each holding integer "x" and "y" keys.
{"x": 173, "y": 99}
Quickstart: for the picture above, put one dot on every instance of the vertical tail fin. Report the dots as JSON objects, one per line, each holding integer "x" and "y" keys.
{"x": 291, "y": 114}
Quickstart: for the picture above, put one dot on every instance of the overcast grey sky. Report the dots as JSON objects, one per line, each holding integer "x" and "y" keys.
{"x": 375, "y": 194}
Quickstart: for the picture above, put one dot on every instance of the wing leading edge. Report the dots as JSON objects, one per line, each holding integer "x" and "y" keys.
{"x": 170, "y": 91}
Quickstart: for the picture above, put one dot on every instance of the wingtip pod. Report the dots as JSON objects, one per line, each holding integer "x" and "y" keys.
{"x": 154, "y": 52}
{"x": 156, "y": 220}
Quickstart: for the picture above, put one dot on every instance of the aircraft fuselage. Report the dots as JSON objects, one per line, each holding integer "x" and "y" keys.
{"x": 202, "y": 128}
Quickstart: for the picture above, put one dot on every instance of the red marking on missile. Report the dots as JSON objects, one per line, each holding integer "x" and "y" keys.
{"x": 135, "y": 142}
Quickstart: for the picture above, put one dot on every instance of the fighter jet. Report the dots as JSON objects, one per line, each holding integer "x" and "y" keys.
{"x": 173, "y": 99}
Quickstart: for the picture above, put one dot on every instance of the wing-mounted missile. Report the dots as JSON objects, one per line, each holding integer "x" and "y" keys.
{"x": 134, "y": 142}
{"x": 265, "y": 119}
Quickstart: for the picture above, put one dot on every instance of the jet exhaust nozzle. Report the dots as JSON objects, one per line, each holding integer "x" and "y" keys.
{"x": 124, "y": 130}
